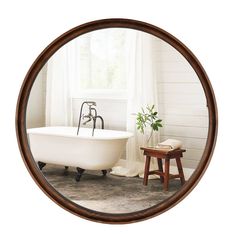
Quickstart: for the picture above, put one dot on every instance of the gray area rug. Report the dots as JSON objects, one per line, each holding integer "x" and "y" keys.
{"x": 109, "y": 194}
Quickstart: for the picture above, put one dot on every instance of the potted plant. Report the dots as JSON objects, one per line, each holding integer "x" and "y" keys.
{"x": 148, "y": 119}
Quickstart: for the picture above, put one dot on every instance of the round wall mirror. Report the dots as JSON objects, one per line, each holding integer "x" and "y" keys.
{"x": 116, "y": 121}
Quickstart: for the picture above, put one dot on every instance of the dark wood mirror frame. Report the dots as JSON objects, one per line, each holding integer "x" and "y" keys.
{"x": 21, "y": 122}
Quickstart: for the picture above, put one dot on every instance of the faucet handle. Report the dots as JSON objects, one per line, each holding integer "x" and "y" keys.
{"x": 90, "y": 103}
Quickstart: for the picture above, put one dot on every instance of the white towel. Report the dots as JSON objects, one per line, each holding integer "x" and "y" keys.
{"x": 170, "y": 144}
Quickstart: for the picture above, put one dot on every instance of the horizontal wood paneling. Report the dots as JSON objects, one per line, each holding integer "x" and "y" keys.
{"x": 181, "y": 88}
{"x": 178, "y": 77}
{"x": 182, "y": 105}
{"x": 189, "y": 143}
{"x": 182, "y": 120}
{"x": 193, "y": 154}
{"x": 184, "y": 131}
{"x": 182, "y": 109}
{"x": 184, "y": 98}
{"x": 177, "y": 66}
{"x": 188, "y": 163}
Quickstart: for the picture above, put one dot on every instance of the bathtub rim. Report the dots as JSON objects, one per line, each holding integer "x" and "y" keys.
{"x": 22, "y": 136}
{"x": 33, "y": 131}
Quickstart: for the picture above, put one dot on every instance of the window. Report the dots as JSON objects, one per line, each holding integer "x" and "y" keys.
{"x": 101, "y": 64}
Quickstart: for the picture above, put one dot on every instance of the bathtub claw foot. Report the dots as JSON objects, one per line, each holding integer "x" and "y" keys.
{"x": 41, "y": 165}
{"x": 104, "y": 172}
{"x": 79, "y": 174}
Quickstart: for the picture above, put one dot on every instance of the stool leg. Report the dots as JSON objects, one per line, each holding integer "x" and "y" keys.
{"x": 180, "y": 169}
{"x": 146, "y": 170}
{"x": 166, "y": 174}
{"x": 159, "y": 162}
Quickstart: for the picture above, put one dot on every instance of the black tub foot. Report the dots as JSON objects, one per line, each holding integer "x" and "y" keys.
{"x": 79, "y": 174}
{"x": 66, "y": 172}
{"x": 104, "y": 172}
{"x": 41, "y": 165}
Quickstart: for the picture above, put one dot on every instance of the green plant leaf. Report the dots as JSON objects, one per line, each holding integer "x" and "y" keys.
{"x": 148, "y": 118}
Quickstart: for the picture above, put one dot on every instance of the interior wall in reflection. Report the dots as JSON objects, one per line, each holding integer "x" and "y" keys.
{"x": 35, "y": 114}
{"x": 181, "y": 104}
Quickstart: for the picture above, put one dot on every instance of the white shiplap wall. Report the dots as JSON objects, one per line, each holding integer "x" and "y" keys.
{"x": 181, "y": 99}
{"x": 182, "y": 104}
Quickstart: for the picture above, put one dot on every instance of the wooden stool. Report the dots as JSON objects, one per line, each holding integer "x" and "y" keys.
{"x": 166, "y": 155}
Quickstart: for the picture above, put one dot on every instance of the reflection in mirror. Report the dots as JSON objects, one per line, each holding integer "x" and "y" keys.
{"x": 117, "y": 120}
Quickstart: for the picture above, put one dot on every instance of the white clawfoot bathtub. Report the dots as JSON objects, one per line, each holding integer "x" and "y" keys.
{"x": 61, "y": 145}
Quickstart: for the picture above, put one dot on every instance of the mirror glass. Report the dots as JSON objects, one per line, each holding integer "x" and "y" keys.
{"x": 106, "y": 103}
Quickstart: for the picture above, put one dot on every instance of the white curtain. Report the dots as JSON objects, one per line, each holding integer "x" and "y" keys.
{"x": 141, "y": 71}
{"x": 142, "y": 91}
{"x": 61, "y": 70}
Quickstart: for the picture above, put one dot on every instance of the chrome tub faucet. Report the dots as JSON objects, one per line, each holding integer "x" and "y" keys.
{"x": 91, "y": 116}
